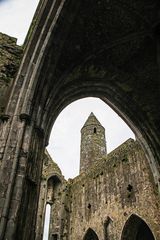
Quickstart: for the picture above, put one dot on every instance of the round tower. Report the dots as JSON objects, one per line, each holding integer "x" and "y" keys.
{"x": 93, "y": 142}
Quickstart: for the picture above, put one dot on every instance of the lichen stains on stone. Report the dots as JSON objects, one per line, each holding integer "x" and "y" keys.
{"x": 10, "y": 57}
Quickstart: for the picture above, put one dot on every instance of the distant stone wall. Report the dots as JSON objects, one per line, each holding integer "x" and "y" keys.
{"x": 111, "y": 191}
{"x": 101, "y": 200}
{"x": 10, "y": 56}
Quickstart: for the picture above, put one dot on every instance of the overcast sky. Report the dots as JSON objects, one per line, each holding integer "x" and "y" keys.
{"x": 16, "y": 16}
{"x": 64, "y": 147}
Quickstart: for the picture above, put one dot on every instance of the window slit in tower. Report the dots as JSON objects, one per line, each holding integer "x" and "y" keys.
{"x": 95, "y": 130}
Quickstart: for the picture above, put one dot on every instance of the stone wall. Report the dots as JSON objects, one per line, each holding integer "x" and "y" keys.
{"x": 10, "y": 56}
{"x": 111, "y": 191}
{"x": 114, "y": 191}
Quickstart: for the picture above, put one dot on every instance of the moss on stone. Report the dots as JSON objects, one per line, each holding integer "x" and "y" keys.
{"x": 10, "y": 57}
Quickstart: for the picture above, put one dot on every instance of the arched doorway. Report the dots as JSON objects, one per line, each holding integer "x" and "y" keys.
{"x": 73, "y": 118}
{"x": 90, "y": 235}
{"x": 136, "y": 228}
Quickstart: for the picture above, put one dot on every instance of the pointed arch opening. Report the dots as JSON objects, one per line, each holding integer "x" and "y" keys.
{"x": 90, "y": 235}
{"x": 66, "y": 132}
{"x": 52, "y": 184}
{"x": 136, "y": 228}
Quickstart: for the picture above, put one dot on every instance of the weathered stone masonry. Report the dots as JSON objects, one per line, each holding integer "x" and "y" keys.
{"x": 115, "y": 188}
{"x": 110, "y": 192}
{"x": 10, "y": 56}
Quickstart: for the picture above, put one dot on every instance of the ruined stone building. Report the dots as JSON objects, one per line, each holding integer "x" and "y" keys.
{"x": 113, "y": 198}
{"x": 76, "y": 49}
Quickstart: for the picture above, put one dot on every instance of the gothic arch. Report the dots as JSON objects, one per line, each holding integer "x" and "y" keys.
{"x": 90, "y": 235}
{"x": 136, "y": 228}
{"x": 56, "y": 177}
{"x": 71, "y": 68}
{"x": 52, "y": 183}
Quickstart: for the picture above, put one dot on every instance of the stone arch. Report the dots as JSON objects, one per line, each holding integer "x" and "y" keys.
{"x": 56, "y": 177}
{"x": 136, "y": 228}
{"x": 52, "y": 183}
{"x": 78, "y": 69}
{"x": 90, "y": 235}
{"x": 84, "y": 76}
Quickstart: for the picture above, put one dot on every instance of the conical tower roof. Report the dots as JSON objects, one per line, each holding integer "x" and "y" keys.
{"x": 92, "y": 120}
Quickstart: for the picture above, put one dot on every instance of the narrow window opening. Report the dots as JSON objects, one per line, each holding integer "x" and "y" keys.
{"x": 46, "y": 222}
{"x": 89, "y": 206}
{"x": 129, "y": 188}
{"x": 95, "y": 130}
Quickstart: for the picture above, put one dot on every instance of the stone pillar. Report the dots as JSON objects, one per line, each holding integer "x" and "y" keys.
{"x": 8, "y": 171}
{"x": 20, "y": 172}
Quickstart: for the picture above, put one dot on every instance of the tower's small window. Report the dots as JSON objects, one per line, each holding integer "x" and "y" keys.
{"x": 95, "y": 130}
{"x": 129, "y": 188}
